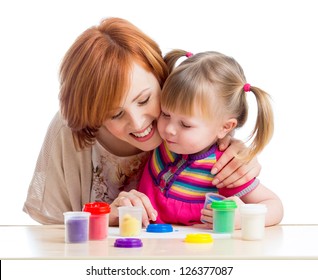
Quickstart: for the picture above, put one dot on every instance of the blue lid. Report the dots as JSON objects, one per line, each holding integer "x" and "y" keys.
{"x": 214, "y": 196}
{"x": 159, "y": 228}
{"x": 128, "y": 243}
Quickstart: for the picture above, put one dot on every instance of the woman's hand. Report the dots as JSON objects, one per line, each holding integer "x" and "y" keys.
{"x": 132, "y": 198}
{"x": 231, "y": 171}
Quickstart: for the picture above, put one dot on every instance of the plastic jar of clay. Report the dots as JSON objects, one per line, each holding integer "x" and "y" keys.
{"x": 99, "y": 219}
{"x": 130, "y": 220}
{"x": 253, "y": 221}
{"x": 76, "y": 226}
{"x": 223, "y": 216}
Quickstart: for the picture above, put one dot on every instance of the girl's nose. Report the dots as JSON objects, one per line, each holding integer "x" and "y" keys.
{"x": 170, "y": 129}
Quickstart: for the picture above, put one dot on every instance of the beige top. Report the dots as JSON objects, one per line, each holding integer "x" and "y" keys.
{"x": 65, "y": 179}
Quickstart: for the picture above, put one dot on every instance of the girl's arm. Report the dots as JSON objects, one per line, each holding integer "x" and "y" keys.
{"x": 260, "y": 195}
{"x": 263, "y": 195}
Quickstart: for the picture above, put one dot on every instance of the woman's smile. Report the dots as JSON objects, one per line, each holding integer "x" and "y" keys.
{"x": 145, "y": 134}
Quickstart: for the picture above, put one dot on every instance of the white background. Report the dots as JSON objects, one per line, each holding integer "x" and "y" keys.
{"x": 274, "y": 41}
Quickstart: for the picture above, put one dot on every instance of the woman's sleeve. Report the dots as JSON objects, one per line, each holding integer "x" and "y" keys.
{"x": 62, "y": 178}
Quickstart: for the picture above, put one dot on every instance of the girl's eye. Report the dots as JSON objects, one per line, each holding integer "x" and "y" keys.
{"x": 144, "y": 101}
{"x": 117, "y": 116}
{"x": 165, "y": 115}
{"x": 185, "y": 125}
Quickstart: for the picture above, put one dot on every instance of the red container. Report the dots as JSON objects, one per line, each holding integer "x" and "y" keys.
{"x": 99, "y": 219}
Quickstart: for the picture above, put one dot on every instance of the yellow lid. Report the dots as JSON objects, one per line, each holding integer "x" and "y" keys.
{"x": 199, "y": 238}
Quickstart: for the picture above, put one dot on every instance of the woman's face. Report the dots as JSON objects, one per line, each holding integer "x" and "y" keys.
{"x": 135, "y": 121}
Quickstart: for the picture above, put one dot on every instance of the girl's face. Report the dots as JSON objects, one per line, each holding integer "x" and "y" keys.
{"x": 135, "y": 121}
{"x": 189, "y": 134}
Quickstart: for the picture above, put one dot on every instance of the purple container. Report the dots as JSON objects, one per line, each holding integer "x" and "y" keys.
{"x": 76, "y": 227}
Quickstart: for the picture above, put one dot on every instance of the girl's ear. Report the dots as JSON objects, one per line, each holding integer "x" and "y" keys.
{"x": 227, "y": 127}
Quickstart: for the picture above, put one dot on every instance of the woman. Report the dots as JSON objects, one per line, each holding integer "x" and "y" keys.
{"x": 97, "y": 145}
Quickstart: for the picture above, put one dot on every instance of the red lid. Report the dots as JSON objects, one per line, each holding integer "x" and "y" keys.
{"x": 96, "y": 208}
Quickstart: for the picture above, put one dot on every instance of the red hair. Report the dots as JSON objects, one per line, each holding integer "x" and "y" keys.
{"x": 94, "y": 74}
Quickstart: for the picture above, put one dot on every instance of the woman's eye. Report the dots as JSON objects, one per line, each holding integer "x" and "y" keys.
{"x": 144, "y": 101}
{"x": 117, "y": 116}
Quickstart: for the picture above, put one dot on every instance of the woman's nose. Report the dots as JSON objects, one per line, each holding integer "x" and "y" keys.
{"x": 136, "y": 120}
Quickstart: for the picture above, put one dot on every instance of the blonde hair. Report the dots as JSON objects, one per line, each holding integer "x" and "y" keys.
{"x": 209, "y": 77}
{"x": 94, "y": 74}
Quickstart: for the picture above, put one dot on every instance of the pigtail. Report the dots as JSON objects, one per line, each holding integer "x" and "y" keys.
{"x": 264, "y": 125}
{"x": 172, "y": 57}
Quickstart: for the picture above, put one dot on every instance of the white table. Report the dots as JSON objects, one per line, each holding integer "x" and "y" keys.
{"x": 47, "y": 242}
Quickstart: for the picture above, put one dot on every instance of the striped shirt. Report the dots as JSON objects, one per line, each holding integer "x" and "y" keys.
{"x": 188, "y": 177}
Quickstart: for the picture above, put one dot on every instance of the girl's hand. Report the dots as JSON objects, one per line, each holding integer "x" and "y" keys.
{"x": 132, "y": 198}
{"x": 231, "y": 171}
{"x": 207, "y": 214}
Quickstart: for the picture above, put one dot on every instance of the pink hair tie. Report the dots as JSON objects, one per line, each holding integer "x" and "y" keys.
{"x": 189, "y": 54}
{"x": 247, "y": 87}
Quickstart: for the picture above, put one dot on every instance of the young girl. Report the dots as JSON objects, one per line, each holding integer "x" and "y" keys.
{"x": 202, "y": 101}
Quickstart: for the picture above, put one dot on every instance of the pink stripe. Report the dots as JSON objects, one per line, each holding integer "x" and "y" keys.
{"x": 194, "y": 180}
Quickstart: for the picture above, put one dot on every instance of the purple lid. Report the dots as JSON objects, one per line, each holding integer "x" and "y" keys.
{"x": 128, "y": 243}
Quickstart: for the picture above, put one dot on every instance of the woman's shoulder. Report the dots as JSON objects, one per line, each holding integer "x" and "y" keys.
{"x": 58, "y": 125}
{"x": 58, "y": 132}
{"x": 59, "y": 140}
